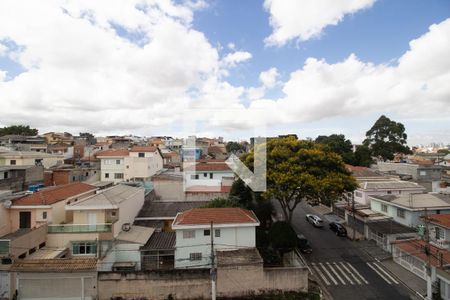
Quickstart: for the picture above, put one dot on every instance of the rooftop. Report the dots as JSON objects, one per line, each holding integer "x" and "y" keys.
{"x": 441, "y": 219}
{"x": 203, "y": 216}
{"x": 57, "y": 265}
{"x": 390, "y": 227}
{"x": 358, "y": 171}
{"x": 30, "y": 154}
{"x": 161, "y": 241}
{"x": 136, "y": 234}
{"x": 143, "y": 149}
{"x": 200, "y": 167}
{"x": 417, "y": 201}
{"x": 51, "y": 195}
{"x": 208, "y": 189}
{"x": 389, "y": 184}
{"x": 105, "y": 199}
{"x": 113, "y": 153}
{"x": 238, "y": 257}
{"x": 166, "y": 209}
{"x": 438, "y": 257}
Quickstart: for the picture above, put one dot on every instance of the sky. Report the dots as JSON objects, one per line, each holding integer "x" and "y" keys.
{"x": 226, "y": 68}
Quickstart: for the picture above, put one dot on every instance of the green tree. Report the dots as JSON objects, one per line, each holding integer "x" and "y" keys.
{"x": 387, "y": 137}
{"x": 443, "y": 151}
{"x": 298, "y": 170}
{"x": 282, "y": 237}
{"x": 234, "y": 147}
{"x": 18, "y": 130}
{"x": 362, "y": 156}
{"x": 241, "y": 193}
{"x": 221, "y": 202}
{"x": 338, "y": 144}
{"x": 90, "y": 138}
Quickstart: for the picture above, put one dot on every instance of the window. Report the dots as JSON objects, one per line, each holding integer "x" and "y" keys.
{"x": 188, "y": 234}
{"x": 389, "y": 192}
{"x": 358, "y": 195}
{"x": 205, "y": 174}
{"x": 118, "y": 175}
{"x": 439, "y": 233}
{"x": 113, "y": 213}
{"x": 206, "y": 232}
{"x": 84, "y": 248}
{"x": 383, "y": 207}
{"x": 141, "y": 154}
{"x": 217, "y": 232}
{"x": 194, "y": 176}
{"x": 12, "y": 162}
{"x": 41, "y": 245}
{"x": 400, "y": 213}
{"x": 210, "y": 175}
{"x": 38, "y": 162}
{"x": 423, "y": 173}
{"x": 44, "y": 215}
{"x": 117, "y": 161}
{"x": 195, "y": 256}
{"x": 106, "y": 175}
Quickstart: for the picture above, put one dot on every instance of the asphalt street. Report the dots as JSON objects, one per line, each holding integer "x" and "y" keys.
{"x": 345, "y": 270}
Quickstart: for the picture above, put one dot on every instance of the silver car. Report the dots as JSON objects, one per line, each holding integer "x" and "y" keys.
{"x": 314, "y": 220}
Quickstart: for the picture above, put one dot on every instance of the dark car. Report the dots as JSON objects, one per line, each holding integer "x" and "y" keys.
{"x": 303, "y": 244}
{"x": 338, "y": 228}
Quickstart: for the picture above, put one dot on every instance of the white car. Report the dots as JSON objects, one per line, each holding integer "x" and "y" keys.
{"x": 314, "y": 220}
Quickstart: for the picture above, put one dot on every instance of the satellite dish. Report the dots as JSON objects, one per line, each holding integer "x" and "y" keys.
{"x": 126, "y": 227}
{"x": 7, "y": 203}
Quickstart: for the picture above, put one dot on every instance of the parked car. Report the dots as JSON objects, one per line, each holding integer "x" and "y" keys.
{"x": 303, "y": 244}
{"x": 338, "y": 228}
{"x": 314, "y": 220}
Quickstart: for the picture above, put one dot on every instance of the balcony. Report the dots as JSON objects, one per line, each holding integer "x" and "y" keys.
{"x": 440, "y": 243}
{"x": 79, "y": 228}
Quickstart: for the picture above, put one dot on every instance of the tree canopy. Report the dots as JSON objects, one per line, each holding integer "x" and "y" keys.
{"x": 234, "y": 147}
{"x": 90, "y": 138}
{"x": 338, "y": 144}
{"x": 386, "y": 137}
{"x": 18, "y": 130}
{"x": 282, "y": 236}
{"x": 298, "y": 170}
{"x": 221, "y": 203}
{"x": 362, "y": 156}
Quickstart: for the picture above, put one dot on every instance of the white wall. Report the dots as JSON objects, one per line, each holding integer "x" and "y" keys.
{"x": 216, "y": 180}
{"x": 109, "y": 165}
{"x": 230, "y": 238}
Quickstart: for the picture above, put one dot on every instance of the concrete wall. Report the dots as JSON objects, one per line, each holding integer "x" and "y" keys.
{"x": 206, "y": 180}
{"x": 108, "y": 165}
{"x": 28, "y": 241}
{"x": 230, "y": 238}
{"x": 128, "y": 210}
{"x": 169, "y": 189}
{"x": 158, "y": 285}
{"x": 5, "y": 221}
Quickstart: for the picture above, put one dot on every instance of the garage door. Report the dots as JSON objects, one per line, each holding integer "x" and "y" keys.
{"x": 54, "y": 288}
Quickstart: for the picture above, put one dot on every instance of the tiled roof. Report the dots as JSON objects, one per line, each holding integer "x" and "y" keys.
{"x": 358, "y": 171}
{"x": 52, "y": 195}
{"x": 417, "y": 201}
{"x": 437, "y": 257}
{"x": 161, "y": 241}
{"x": 390, "y": 184}
{"x": 208, "y": 189}
{"x": 58, "y": 265}
{"x": 441, "y": 219}
{"x": 390, "y": 227}
{"x": 200, "y": 167}
{"x": 113, "y": 153}
{"x": 167, "y": 209}
{"x": 202, "y": 216}
{"x": 216, "y": 149}
{"x": 143, "y": 149}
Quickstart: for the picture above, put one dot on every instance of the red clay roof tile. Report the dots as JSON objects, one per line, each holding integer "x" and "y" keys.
{"x": 202, "y": 216}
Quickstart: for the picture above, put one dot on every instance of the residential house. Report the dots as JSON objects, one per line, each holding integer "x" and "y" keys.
{"x": 427, "y": 175}
{"x": 218, "y": 151}
{"x": 232, "y": 228}
{"x": 29, "y": 158}
{"x": 415, "y": 255}
{"x": 137, "y": 164}
{"x": 61, "y": 149}
{"x": 439, "y": 226}
{"x": 408, "y": 209}
{"x": 93, "y": 222}
{"x": 159, "y": 251}
{"x": 19, "y": 178}
{"x": 59, "y": 138}
{"x": 207, "y": 173}
{"x": 24, "y": 143}
{"x": 65, "y": 174}
{"x": 30, "y": 214}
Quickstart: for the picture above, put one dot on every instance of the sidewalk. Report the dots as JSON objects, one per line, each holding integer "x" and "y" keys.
{"x": 371, "y": 248}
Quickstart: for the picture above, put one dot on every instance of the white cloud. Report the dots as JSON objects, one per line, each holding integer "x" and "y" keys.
{"x": 231, "y": 46}
{"x": 305, "y": 19}
{"x": 236, "y": 57}
{"x": 417, "y": 85}
{"x": 3, "y": 49}
{"x": 269, "y": 77}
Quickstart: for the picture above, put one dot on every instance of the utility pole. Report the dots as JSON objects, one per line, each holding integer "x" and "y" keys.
{"x": 428, "y": 254}
{"x": 213, "y": 269}
{"x": 353, "y": 213}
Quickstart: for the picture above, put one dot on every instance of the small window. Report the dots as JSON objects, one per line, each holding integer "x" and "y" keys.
{"x": 32, "y": 250}
{"x": 400, "y": 213}
{"x": 117, "y": 161}
{"x": 141, "y": 154}
{"x": 210, "y": 175}
{"x": 206, "y": 232}
{"x": 188, "y": 234}
{"x": 384, "y": 208}
{"x": 389, "y": 192}
{"x": 195, "y": 256}
{"x": 12, "y": 162}
{"x": 41, "y": 245}
{"x": 358, "y": 194}
{"x": 113, "y": 213}
{"x": 84, "y": 248}
{"x": 118, "y": 175}
{"x": 44, "y": 215}
{"x": 205, "y": 174}
{"x": 217, "y": 232}
{"x": 439, "y": 233}
{"x": 106, "y": 175}
{"x": 5, "y": 175}
{"x": 423, "y": 173}
{"x": 194, "y": 176}
{"x": 23, "y": 255}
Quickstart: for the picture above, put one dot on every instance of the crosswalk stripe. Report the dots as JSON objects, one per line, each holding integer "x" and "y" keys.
{"x": 350, "y": 272}
{"x": 386, "y": 273}
{"x": 378, "y": 272}
{"x": 343, "y": 273}
{"x": 321, "y": 274}
{"x": 328, "y": 273}
{"x": 335, "y": 273}
{"x": 357, "y": 273}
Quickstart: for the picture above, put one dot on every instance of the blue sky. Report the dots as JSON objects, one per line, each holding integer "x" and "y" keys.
{"x": 141, "y": 71}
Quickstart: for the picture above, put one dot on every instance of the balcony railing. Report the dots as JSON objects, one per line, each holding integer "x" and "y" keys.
{"x": 79, "y": 228}
{"x": 441, "y": 243}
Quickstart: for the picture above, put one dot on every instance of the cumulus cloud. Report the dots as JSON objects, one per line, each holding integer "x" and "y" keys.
{"x": 415, "y": 85}
{"x": 305, "y": 19}
{"x": 232, "y": 59}
{"x": 269, "y": 77}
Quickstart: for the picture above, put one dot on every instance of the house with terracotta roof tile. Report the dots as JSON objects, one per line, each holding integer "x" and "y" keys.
{"x": 232, "y": 228}
{"x": 137, "y": 164}
{"x": 209, "y": 173}
{"x": 440, "y": 230}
